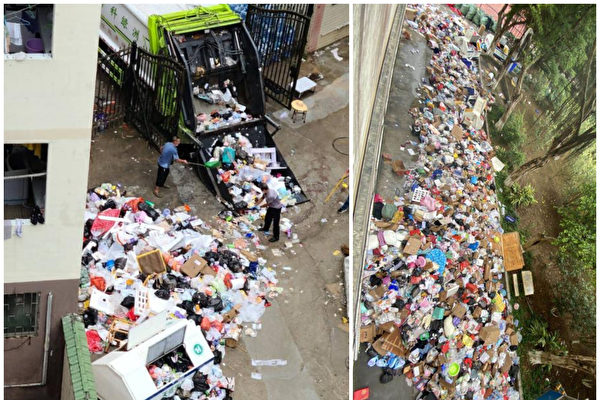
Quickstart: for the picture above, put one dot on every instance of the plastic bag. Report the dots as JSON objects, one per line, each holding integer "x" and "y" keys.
{"x": 94, "y": 341}
{"x": 251, "y": 312}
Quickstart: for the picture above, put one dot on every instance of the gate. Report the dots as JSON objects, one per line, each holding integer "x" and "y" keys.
{"x": 110, "y": 97}
{"x": 279, "y": 32}
{"x": 142, "y": 89}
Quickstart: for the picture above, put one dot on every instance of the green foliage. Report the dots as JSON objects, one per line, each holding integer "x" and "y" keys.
{"x": 577, "y": 257}
{"x": 544, "y": 339}
{"x": 510, "y": 138}
{"x": 521, "y": 195}
{"x": 577, "y": 239}
{"x": 511, "y": 158}
{"x": 512, "y": 132}
{"x": 535, "y": 380}
{"x": 578, "y": 296}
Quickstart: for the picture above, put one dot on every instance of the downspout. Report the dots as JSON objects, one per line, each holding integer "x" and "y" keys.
{"x": 46, "y": 349}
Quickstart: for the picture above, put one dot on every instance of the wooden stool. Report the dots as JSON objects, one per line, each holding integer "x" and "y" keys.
{"x": 299, "y": 108}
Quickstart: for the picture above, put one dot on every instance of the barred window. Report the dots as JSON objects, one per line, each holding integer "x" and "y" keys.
{"x": 21, "y": 314}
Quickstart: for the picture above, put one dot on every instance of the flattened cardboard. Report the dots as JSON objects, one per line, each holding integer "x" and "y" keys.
{"x": 412, "y": 246}
{"x": 392, "y": 342}
{"x": 249, "y": 255}
{"x": 193, "y": 266}
{"x": 151, "y": 262}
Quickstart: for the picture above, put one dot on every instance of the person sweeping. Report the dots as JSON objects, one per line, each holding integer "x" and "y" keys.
{"x": 273, "y": 211}
{"x": 168, "y": 155}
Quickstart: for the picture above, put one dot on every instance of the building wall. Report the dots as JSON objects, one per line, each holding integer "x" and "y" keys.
{"x": 329, "y": 23}
{"x": 51, "y": 101}
{"x": 23, "y": 357}
{"x": 372, "y": 27}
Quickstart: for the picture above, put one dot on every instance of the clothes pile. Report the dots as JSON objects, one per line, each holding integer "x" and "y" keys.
{"x": 434, "y": 306}
{"x": 211, "y": 274}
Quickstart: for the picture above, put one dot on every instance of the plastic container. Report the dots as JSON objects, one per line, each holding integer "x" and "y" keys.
{"x": 34, "y": 45}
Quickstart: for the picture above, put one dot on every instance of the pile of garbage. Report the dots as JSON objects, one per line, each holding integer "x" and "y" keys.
{"x": 230, "y": 112}
{"x": 211, "y": 274}
{"x": 242, "y": 167}
{"x": 434, "y": 307}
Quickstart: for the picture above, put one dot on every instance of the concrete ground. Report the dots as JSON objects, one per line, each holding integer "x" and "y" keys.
{"x": 304, "y": 324}
{"x": 402, "y": 97}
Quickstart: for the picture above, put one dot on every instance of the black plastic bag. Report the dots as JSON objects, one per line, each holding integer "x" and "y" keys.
{"x": 128, "y": 302}
{"x": 386, "y": 378}
{"x": 162, "y": 294}
{"x": 151, "y": 212}
{"x": 90, "y": 317}
{"x": 200, "y": 384}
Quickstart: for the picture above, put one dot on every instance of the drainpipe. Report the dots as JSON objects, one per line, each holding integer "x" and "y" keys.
{"x": 46, "y": 349}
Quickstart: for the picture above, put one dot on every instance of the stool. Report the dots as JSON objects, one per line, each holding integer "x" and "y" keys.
{"x": 299, "y": 108}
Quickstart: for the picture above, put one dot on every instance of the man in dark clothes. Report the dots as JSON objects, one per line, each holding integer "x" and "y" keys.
{"x": 273, "y": 211}
{"x": 168, "y": 155}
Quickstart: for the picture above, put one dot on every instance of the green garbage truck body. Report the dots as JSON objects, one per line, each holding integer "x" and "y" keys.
{"x": 211, "y": 42}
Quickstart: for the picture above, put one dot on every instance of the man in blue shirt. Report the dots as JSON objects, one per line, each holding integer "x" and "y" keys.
{"x": 168, "y": 155}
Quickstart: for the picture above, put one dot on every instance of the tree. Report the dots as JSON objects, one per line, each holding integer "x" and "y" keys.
{"x": 557, "y": 32}
{"x": 571, "y": 362}
{"x": 507, "y": 19}
{"x": 576, "y": 127}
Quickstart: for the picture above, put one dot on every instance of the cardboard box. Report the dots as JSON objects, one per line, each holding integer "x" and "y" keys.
{"x": 230, "y": 315}
{"x": 378, "y": 292}
{"x": 151, "y": 262}
{"x": 489, "y": 334}
{"x": 487, "y": 275}
{"x": 459, "y": 311}
{"x": 194, "y": 266}
{"x": 411, "y": 13}
{"x": 367, "y": 333}
{"x": 387, "y": 327}
{"x": 457, "y": 132}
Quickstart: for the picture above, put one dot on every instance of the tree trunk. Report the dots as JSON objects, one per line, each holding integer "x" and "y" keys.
{"x": 541, "y": 238}
{"x": 511, "y": 107}
{"x": 500, "y": 29}
{"x": 505, "y": 66}
{"x": 529, "y": 166}
{"x": 571, "y": 362}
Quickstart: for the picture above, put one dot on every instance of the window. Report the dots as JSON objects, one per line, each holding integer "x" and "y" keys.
{"x": 28, "y": 30}
{"x": 24, "y": 179}
{"x": 21, "y": 314}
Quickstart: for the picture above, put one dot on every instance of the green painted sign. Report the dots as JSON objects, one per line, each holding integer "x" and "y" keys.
{"x": 198, "y": 349}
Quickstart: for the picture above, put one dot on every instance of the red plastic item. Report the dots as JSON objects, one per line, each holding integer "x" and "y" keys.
{"x": 445, "y": 347}
{"x": 133, "y": 204}
{"x": 94, "y": 341}
{"x": 101, "y": 226}
{"x": 361, "y": 394}
{"x": 98, "y": 282}
{"x": 131, "y": 315}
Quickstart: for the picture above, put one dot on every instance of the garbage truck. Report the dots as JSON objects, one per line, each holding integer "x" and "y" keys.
{"x": 223, "y": 98}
